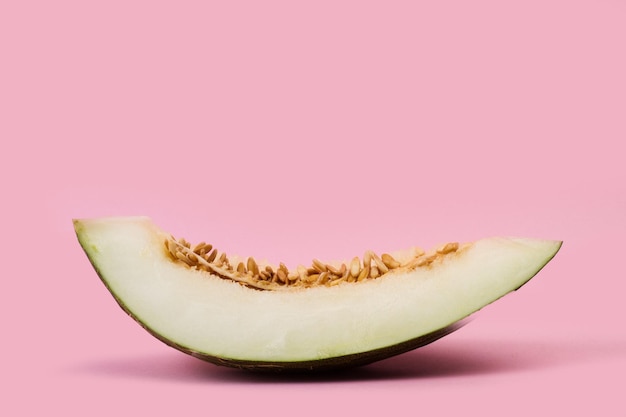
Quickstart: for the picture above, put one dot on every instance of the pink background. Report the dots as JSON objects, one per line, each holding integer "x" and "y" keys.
{"x": 292, "y": 129}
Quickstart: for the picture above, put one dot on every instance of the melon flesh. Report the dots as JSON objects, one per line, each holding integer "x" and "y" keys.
{"x": 225, "y": 322}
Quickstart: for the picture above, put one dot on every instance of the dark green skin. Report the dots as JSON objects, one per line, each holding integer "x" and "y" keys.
{"x": 332, "y": 363}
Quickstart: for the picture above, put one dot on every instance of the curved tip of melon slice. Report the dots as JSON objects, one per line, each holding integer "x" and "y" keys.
{"x": 318, "y": 327}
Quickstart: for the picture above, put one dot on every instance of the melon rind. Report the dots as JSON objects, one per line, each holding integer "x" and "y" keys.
{"x": 227, "y": 323}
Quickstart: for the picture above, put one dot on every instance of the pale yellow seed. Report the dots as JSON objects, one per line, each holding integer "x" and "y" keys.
{"x": 323, "y": 278}
{"x": 426, "y": 260}
{"x": 174, "y": 246}
{"x": 374, "y": 272}
{"x": 282, "y": 277}
{"x": 380, "y": 264}
{"x": 448, "y": 248}
{"x": 337, "y": 282}
{"x": 389, "y": 261}
{"x": 414, "y": 263}
{"x": 367, "y": 258}
{"x": 364, "y": 273}
{"x": 319, "y": 266}
{"x": 417, "y": 262}
{"x": 171, "y": 248}
{"x": 312, "y": 277}
{"x": 221, "y": 260}
{"x": 204, "y": 249}
{"x": 355, "y": 267}
{"x": 333, "y": 277}
{"x": 346, "y": 272}
{"x": 183, "y": 258}
{"x": 198, "y": 246}
{"x": 333, "y": 270}
{"x": 192, "y": 257}
{"x": 211, "y": 256}
{"x": 252, "y": 266}
{"x": 302, "y": 272}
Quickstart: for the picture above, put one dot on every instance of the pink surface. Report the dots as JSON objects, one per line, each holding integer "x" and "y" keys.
{"x": 291, "y": 130}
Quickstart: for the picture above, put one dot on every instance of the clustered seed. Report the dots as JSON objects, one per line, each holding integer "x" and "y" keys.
{"x": 205, "y": 257}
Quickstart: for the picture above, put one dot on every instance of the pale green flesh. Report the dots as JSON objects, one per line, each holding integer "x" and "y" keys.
{"x": 210, "y": 317}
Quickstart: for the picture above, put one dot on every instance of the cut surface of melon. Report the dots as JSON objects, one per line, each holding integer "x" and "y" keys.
{"x": 228, "y": 323}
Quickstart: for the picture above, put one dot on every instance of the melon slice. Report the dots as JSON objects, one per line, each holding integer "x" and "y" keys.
{"x": 245, "y": 314}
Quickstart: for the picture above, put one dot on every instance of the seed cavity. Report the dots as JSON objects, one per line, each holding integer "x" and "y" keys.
{"x": 205, "y": 257}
